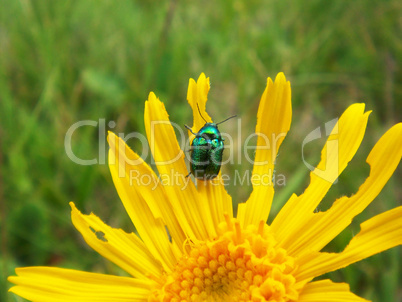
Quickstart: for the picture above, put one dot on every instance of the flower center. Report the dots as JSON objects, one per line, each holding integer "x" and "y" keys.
{"x": 239, "y": 265}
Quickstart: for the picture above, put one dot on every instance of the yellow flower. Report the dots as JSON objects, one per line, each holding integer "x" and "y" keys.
{"x": 191, "y": 248}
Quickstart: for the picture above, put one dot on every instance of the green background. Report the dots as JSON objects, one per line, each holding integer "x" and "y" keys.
{"x": 66, "y": 61}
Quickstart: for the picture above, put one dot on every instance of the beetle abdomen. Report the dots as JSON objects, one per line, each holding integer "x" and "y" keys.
{"x": 206, "y": 158}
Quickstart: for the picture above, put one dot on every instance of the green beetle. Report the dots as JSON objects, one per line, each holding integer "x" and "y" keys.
{"x": 206, "y": 150}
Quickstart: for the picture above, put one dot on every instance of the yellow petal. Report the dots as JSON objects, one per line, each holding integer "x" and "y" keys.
{"x": 320, "y": 228}
{"x": 219, "y": 201}
{"x": 273, "y": 122}
{"x": 327, "y": 291}
{"x": 125, "y": 250}
{"x": 377, "y": 234}
{"x": 339, "y": 149}
{"x": 152, "y": 231}
{"x": 190, "y": 207}
{"x": 137, "y": 176}
{"x": 197, "y": 96}
{"x": 47, "y": 284}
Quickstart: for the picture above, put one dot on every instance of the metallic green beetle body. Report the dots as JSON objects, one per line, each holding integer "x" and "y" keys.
{"x": 206, "y": 152}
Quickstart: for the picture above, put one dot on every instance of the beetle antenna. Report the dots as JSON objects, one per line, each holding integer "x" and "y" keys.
{"x": 200, "y": 113}
{"x": 226, "y": 119}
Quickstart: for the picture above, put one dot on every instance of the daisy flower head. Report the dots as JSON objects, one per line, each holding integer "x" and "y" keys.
{"x": 191, "y": 247}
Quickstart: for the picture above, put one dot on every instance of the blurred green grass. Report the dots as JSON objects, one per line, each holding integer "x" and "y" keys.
{"x": 66, "y": 61}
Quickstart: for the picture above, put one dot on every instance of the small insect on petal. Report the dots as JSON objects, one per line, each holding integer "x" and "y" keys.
{"x": 206, "y": 150}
